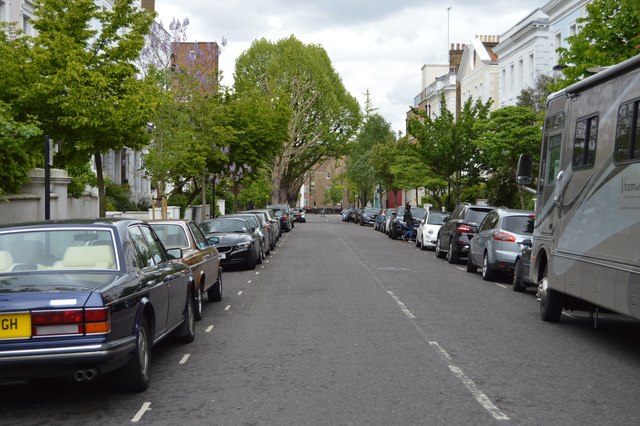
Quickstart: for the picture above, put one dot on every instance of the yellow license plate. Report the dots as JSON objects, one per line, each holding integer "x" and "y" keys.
{"x": 15, "y": 326}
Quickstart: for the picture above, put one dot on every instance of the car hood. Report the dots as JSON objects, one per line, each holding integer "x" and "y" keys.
{"x": 231, "y": 238}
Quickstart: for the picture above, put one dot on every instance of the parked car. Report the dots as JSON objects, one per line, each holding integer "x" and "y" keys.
{"x": 521, "y": 268}
{"x": 84, "y": 298}
{"x": 377, "y": 224}
{"x": 454, "y": 235}
{"x": 270, "y": 223}
{"x": 398, "y": 227}
{"x": 256, "y": 227}
{"x": 389, "y": 215}
{"x": 235, "y": 241}
{"x": 498, "y": 241}
{"x": 428, "y": 230}
{"x": 299, "y": 215}
{"x": 369, "y": 215}
{"x": 351, "y": 215}
{"x": 344, "y": 215}
{"x": 197, "y": 253}
{"x": 283, "y": 212}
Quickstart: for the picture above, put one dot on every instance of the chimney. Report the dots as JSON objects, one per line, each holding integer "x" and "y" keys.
{"x": 149, "y": 5}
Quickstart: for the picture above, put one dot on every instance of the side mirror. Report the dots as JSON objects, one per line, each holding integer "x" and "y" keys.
{"x": 174, "y": 253}
{"x": 527, "y": 242}
{"x": 213, "y": 240}
{"x": 524, "y": 171}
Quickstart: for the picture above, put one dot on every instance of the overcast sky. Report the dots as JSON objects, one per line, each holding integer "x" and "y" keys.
{"x": 374, "y": 45}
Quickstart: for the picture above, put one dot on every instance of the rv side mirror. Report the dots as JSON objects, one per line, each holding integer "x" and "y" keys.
{"x": 523, "y": 175}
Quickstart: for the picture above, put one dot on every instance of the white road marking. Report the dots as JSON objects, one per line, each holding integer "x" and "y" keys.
{"x": 208, "y": 330}
{"x": 240, "y": 293}
{"x": 569, "y": 315}
{"x": 403, "y": 307}
{"x": 145, "y": 407}
{"x": 501, "y": 285}
{"x": 257, "y": 272}
{"x": 249, "y": 282}
{"x": 482, "y": 399}
{"x": 184, "y": 359}
{"x": 461, "y": 268}
{"x": 226, "y": 308}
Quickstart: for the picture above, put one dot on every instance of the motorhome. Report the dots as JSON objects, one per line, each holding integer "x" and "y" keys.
{"x": 586, "y": 244}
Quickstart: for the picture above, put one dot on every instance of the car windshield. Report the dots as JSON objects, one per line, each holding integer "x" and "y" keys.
{"x": 476, "y": 215}
{"x": 57, "y": 249}
{"x": 224, "y": 225}
{"x": 518, "y": 224}
{"x": 436, "y": 218}
{"x": 172, "y": 236}
{"x": 253, "y": 221}
{"x": 372, "y": 210}
{"x": 418, "y": 212}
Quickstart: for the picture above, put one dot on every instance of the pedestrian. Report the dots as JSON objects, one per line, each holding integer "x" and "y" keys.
{"x": 408, "y": 220}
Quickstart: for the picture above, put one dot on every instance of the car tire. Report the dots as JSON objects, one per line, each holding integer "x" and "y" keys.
{"x": 518, "y": 284}
{"x": 215, "y": 292}
{"x": 136, "y": 375}
{"x": 260, "y": 256}
{"x": 470, "y": 266}
{"x": 253, "y": 260}
{"x": 186, "y": 333}
{"x": 198, "y": 302}
{"x": 418, "y": 241}
{"x": 438, "y": 250}
{"x": 488, "y": 274}
{"x": 551, "y": 302}
{"x": 452, "y": 255}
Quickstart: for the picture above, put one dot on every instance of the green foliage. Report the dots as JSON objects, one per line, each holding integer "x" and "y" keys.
{"x": 82, "y": 176}
{"x": 535, "y": 97}
{"x": 300, "y": 92}
{"x": 17, "y": 157}
{"x": 333, "y": 194}
{"x": 608, "y": 35}
{"x": 256, "y": 191}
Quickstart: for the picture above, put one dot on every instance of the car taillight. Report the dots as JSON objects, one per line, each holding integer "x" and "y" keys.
{"x": 70, "y": 321}
{"x": 463, "y": 228}
{"x": 503, "y": 236}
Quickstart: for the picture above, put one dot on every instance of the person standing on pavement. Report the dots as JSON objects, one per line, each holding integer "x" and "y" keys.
{"x": 408, "y": 219}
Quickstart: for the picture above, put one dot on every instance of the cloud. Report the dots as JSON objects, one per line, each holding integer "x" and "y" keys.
{"x": 374, "y": 45}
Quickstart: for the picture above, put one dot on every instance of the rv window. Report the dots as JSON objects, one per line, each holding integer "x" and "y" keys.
{"x": 627, "y": 133}
{"x": 553, "y": 158}
{"x": 584, "y": 145}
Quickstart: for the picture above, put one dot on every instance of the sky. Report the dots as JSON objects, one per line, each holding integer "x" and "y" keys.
{"x": 375, "y": 46}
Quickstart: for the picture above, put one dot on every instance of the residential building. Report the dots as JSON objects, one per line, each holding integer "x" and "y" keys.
{"x": 563, "y": 16}
{"x": 478, "y": 73}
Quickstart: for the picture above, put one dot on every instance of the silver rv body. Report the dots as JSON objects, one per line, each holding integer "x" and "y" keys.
{"x": 586, "y": 245}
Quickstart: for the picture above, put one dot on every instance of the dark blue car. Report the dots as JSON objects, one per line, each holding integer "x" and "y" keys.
{"x": 84, "y": 298}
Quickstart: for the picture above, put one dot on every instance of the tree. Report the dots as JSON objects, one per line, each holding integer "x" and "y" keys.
{"x": 298, "y": 80}
{"x": 78, "y": 80}
{"x": 608, "y": 35}
{"x": 409, "y": 172}
{"x": 507, "y": 133}
{"x": 536, "y": 97}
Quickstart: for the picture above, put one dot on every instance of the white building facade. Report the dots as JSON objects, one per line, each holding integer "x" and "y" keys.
{"x": 478, "y": 73}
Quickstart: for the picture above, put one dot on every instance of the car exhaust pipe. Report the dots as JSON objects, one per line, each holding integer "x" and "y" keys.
{"x": 85, "y": 375}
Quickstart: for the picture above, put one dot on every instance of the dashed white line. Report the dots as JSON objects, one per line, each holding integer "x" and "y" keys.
{"x": 501, "y": 285}
{"x": 403, "y": 307}
{"x": 460, "y": 268}
{"x": 208, "y": 330}
{"x": 482, "y": 399}
{"x": 184, "y": 359}
{"x": 240, "y": 293}
{"x": 145, "y": 407}
{"x": 257, "y": 272}
{"x": 249, "y": 282}
{"x": 226, "y": 308}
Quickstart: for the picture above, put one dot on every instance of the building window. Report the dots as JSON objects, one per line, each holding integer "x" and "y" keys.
{"x": 557, "y": 43}
{"x": 503, "y": 84}
{"x": 520, "y": 72}
{"x": 532, "y": 69}
{"x": 3, "y": 11}
{"x": 512, "y": 77}
{"x": 584, "y": 144}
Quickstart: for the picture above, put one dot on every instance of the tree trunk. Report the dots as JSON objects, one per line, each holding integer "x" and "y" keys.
{"x": 102, "y": 210}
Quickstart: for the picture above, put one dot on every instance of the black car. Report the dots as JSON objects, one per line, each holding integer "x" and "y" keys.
{"x": 256, "y": 227}
{"x": 80, "y": 299}
{"x": 369, "y": 215}
{"x": 398, "y": 227}
{"x": 454, "y": 235}
{"x": 235, "y": 241}
{"x": 283, "y": 212}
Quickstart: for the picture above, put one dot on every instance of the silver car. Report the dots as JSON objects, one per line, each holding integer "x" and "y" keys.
{"x": 498, "y": 241}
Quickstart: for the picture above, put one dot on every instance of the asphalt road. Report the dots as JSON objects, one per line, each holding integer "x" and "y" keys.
{"x": 344, "y": 326}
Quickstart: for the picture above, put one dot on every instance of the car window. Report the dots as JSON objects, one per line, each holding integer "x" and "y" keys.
{"x": 198, "y": 236}
{"x": 154, "y": 245}
{"x": 489, "y": 221}
{"x": 171, "y": 235}
{"x": 518, "y": 224}
{"x": 436, "y": 218}
{"x": 475, "y": 215}
{"x": 144, "y": 255}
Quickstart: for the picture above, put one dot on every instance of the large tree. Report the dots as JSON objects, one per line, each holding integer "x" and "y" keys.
{"x": 608, "y": 35}
{"x": 79, "y": 82}
{"x": 321, "y": 116}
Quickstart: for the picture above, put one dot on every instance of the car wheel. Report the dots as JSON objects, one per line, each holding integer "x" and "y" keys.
{"x": 260, "y": 256}
{"x": 253, "y": 260}
{"x": 417, "y": 241}
{"x": 488, "y": 274}
{"x": 186, "y": 333}
{"x": 215, "y": 292}
{"x": 551, "y": 302}
{"x": 439, "y": 253}
{"x": 452, "y": 255}
{"x": 135, "y": 376}
{"x": 198, "y": 302}
{"x": 470, "y": 266}
{"x": 518, "y": 285}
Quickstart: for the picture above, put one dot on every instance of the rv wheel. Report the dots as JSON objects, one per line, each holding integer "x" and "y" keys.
{"x": 550, "y": 301}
